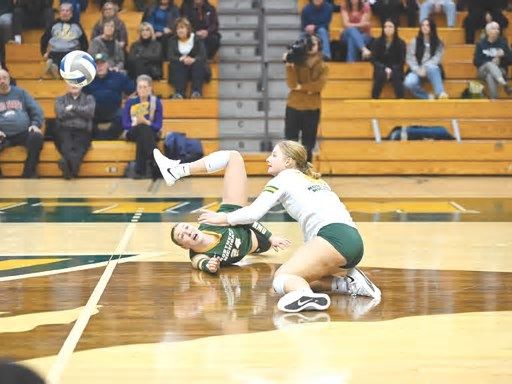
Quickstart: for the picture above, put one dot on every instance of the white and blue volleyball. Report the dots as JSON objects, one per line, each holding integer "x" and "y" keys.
{"x": 78, "y": 68}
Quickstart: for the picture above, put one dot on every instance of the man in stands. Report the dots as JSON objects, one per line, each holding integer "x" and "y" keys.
{"x": 21, "y": 119}
{"x": 108, "y": 88}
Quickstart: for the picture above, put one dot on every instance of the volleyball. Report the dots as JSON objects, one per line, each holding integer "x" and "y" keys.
{"x": 78, "y": 68}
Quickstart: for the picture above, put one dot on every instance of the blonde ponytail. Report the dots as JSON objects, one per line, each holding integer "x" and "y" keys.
{"x": 298, "y": 154}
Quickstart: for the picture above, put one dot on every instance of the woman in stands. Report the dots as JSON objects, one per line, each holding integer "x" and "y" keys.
{"x": 187, "y": 57}
{"x": 492, "y": 58}
{"x": 142, "y": 122}
{"x": 109, "y": 12}
{"x": 145, "y": 55}
{"x": 306, "y": 79}
{"x": 424, "y": 54}
{"x": 107, "y": 44}
{"x": 388, "y": 58}
{"x": 356, "y": 17}
{"x": 332, "y": 240}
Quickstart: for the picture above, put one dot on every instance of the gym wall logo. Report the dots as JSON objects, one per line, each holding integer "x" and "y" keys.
{"x": 22, "y": 267}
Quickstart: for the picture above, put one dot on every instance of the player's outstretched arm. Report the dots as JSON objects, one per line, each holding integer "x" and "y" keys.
{"x": 205, "y": 263}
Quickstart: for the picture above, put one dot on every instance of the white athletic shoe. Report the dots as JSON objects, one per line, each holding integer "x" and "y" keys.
{"x": 360, "y": 285}
{"x": 167, "y": 167}
{"x": 297, "y": 301}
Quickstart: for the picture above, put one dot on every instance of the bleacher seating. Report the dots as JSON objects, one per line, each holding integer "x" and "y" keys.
{"x": 347, "y": 139}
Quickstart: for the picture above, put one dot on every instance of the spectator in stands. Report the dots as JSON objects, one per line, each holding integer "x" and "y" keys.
{"x": 31, "y": 14}
{"x": 78, "y": 6}
{"x": 162, "y": 16}
{"x": 74, "y": 112}
{"x": 145, "y": 55}
{"x": 142, "y": 5}
{"x": 21, "y": 119}
{"x": 424, "y": 54}
{"x": 62, "y": 37}
{"x": 142, "y": 122}
{"x": 481, "y": 13}
{"x": 315, "y": 19}
{"x": 109, "y": 12}
{"x": 411, "y": 8}
{"x": 187, "y": 61}
{"x": 355, "y": 16}
{"x": 388, "y": 58}
{"x": 387, "y": 9}
{"x": 436, "y": 6}
{"x": 492, "y": 58}
{"x": 205, "y": 23}
{"x": 108, "y": 88}
{"x": 119, "y": 3}
{"x": 108, "y": 45}
{"x": 6, "y": 9}
{"x": 306, "y": 81}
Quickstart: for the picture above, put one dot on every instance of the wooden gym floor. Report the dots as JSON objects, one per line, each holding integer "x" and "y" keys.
{"x": 93, "y": 291}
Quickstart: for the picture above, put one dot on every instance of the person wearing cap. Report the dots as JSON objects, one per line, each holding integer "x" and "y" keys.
{"x": 108, "y": 89}
{"x": 60, "y": 38}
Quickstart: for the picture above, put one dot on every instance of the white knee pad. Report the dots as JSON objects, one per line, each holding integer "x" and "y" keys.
{"x": 216, "y": 161}
{"x": 278, "y": 283}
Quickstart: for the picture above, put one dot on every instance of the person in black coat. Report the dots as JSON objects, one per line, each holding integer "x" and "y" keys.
{"x": 145, "y": 55}
{"x": 388, "y": 58}
{"x": 480, "y": 13}
{"x": 205, "y": 23}
{"x": 187, "y": 60}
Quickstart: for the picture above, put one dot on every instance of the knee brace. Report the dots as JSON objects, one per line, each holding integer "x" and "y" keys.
{"x": 216, "y": 161}
{"x": 278, "y": 283}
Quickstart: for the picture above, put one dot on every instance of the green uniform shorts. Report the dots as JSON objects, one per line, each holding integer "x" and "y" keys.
{"x": 346, "y": 240}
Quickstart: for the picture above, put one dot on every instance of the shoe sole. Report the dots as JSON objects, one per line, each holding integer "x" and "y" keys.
{"x": 314, "y": 302}
{"x": 371, "y": 285}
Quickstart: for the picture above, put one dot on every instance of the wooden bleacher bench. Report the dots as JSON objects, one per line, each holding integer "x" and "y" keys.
{"x": 361, "y": 128}
{"x": 41, "y": 89}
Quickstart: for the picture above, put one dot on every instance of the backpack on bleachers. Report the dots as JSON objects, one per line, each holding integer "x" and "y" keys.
{"x": 178, "y": 147}
{"x": 420, "y": 132}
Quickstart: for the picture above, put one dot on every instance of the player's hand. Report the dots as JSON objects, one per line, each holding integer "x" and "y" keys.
{"x": 278, "y": 242}
{"x": 212, "y": 218}
{"x": 213, "y": 264}
{"x": 69, "y": 107}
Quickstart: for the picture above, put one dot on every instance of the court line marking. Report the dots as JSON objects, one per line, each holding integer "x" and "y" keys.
{"x": 461, "y": 208}
{"x": 177, "y": 206}
{"x": 205, "y": 207}
{"x": 105, "y": 209}
{"x": 15, "y": 205}
{"x": 67, "y": 349}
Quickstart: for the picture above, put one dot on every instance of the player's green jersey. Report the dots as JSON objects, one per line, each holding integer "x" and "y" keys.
{"x": 233, "y": 242}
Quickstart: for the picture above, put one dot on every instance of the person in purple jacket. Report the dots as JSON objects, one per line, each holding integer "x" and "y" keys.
{"x": 315, "y": 19}
{"x": 142, "y": 122}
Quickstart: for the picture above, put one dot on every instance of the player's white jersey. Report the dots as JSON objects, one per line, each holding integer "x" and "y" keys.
{"x": 309, "y": 201}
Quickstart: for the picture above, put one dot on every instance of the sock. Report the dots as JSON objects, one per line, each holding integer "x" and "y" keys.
{"x": 17, "y": 39}
{"x": 307, "y": 291}
{"x": 216, "y": 161}
{"x": 339, "y": 284}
